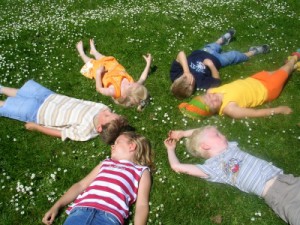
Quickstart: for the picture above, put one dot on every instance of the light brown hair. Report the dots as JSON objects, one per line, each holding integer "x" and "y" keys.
{"x": 181, "y": 88}
{"x": 144, "y": 154}
{"x": 112, "y": 130}
{"x": 192, "y": 143}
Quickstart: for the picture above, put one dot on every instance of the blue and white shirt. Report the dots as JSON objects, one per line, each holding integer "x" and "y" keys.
{"x": 240, "y": 169}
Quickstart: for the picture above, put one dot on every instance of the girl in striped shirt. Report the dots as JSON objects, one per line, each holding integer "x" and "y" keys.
{"x": 105, "y": 195}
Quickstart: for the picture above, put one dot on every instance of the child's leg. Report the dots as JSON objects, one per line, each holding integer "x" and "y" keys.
{"x": 94, "y": 51}
{"x": 274, "y": 81}
{"x": 232, "y": 58}
{"x": 289, "y": 66}
{"x": 225, "y": 39}
{"x": 80, "y": 50}
{"x": 1, "y": 103}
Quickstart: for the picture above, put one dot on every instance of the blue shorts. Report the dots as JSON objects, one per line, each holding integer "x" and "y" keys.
{"x": 25, "y": 105}
{"x": 225, "y": 58}
{"x": 90, "y": 216}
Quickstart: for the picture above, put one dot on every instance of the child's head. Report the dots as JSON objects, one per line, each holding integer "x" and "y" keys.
{"x": 213, "y": 101}
{"x": 143, "y": 154}
{"x": 111, "y": 129}
{"x": 136, "y": 95}
{"x": 205, "y": 142}
{"x": 182, "y": 88}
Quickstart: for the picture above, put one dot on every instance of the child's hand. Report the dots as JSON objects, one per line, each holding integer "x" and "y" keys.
{"x": 148, "y": 58}
{"x": 175, "y": 134}
{"x": 100, "y": 71}
{"x": 190, "y": 77}
{"x": 50, "y": 216}
{"x": 170, "y": 144}
{"x": 31, "y": 126}
{"x": 285, "y": 110}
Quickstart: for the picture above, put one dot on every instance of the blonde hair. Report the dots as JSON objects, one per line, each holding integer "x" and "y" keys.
{"x": 144, "y": 155}
{"x": 135, "y": 97}
{"x": 181, "y": 88}
{"x": 192, "y": 143}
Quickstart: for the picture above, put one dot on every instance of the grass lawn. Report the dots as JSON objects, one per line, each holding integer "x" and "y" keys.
{"x": 37, "y": 41}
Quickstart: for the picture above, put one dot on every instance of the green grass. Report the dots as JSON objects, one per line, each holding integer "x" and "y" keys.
{"x": 37, "y": 41}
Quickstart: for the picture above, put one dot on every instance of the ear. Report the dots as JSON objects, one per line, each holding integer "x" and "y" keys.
{"x": 99, "y": 129}
{"x": 204, "y": 146}
{"x": 132, "y": 146}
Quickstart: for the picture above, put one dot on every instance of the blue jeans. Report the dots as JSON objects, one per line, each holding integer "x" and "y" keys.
{"x": 90, "y": 216}
{"x": 226, "y": 58}
{"x": 25, "y": 105}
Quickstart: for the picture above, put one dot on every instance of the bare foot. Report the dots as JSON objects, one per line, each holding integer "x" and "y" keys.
{"x": 79, "y": 47}
{"x": 93, "y": 50}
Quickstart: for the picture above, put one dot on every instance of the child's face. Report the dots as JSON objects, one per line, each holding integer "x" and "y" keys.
{"x": 213, "y": 101}
{"x": 212, "y": 137}
{"x": 121, "y": 147}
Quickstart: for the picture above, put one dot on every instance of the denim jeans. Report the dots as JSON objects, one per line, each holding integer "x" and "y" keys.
{"x": 25, "y": 105}
{"x": 225, "y": 58}
{"x": 90, "y": 216}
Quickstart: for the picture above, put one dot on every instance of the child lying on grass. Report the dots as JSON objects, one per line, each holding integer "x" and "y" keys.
{"x": 113, "y": 80}
{"x": 226, "y": 163}
{"x": 106, "y": 193}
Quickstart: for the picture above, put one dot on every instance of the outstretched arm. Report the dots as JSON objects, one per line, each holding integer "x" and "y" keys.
{"x": 99, "y": 87}
{"x": 45, "y": 130}
{"x": 142, "y": 202}
{"x": 144, "y": 75}
{"x": 234, "y": 111}
{"x": 70, "y": 195}
{"x": 178, "y": 167}
{"x": 213, "y": 69}
{"x": 181, "y": 58}
{"x": 178, "y": 134}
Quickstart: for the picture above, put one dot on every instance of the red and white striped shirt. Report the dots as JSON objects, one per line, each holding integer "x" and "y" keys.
{"x": 114, "y": 188}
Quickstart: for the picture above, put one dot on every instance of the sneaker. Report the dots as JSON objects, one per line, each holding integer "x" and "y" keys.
{"x": 260, "y": 49}
{"x": 228, "y": 35}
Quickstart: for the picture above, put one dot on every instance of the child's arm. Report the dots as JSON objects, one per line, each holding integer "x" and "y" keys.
{"x": 234, "y": 111}
{"x": 110, "y": 91}
{"x": 142, "y": 202}
{"x": 214, "y": 72}
{"x": 144, "y": 75}
{"x": 45, "y": 130}
{"x": 70, "y": 195}
{"x": 181, "y": 58}
{"x": 178, "y": 167}
{"x": 178, "y": 134}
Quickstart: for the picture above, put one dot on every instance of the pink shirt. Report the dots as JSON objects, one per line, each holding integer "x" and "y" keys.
{"x": 113, "y": 190}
